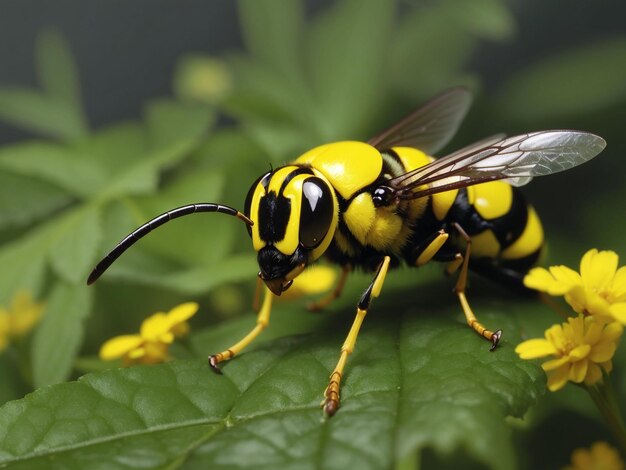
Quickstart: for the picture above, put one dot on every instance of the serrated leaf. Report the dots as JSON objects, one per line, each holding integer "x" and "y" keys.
{"x": 59, "y": 335}
{"x": 36, "y": 112}
{"x": 74, "y": 252}
{"x": 347, "y": 46}
{"x": 54, "y": 163}
{"x": 567, "y": 84}
{"x": 24, "y": 200}
{"x": 58, "y": 73}
{"x": 413, "y": 382}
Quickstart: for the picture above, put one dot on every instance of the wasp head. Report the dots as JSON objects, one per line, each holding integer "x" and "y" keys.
{"x": 295, "y": 213}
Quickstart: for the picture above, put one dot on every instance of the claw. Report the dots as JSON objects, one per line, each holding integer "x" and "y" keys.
{"x": 330, "y": 407}
{"x": 495, "y": 339}
{"x": 213, "y": 362}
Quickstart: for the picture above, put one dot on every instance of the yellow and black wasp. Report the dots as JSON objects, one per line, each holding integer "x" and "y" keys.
{"x": 378, "y": 204}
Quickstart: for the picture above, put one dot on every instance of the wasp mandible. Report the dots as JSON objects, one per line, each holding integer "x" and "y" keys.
{"x": 375, "y": 205}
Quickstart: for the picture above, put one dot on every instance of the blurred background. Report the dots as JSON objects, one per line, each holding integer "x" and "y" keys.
{"x": 113, "y": 112}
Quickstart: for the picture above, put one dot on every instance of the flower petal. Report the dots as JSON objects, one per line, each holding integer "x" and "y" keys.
{"x": 612, "y": 332}
{"x": 594, "y": 374}
{"x": 182, "y": 313}
{"x": 593, "y": 331}
{"x": 578, "y": 371}
{"x": 154, "y": 327}
{"x": 119, "y": 346}
{"x": 554, "y": 363}
{"x": 603, "y": 352}
{"x": 546, "y": 281}
{"x": 598, "y": 268}
{"x": 618, "y": 311}
{"x": 618, "y": 287}
{"x": 534, "y": 348}
{"x": 558, "y": 378}
{"x": 580, "y": 352}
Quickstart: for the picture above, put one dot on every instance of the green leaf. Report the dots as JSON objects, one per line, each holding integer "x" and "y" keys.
{"x": 414, "y": 382}
{"x": 347, "y": 49}
{"x": 72, "y": 254}
{"x": 36, "y": 112}
{"x": 24, "y": 266}
{"x": 24, "y": 200}
{"x": 572, "y": 83}
{"x": 417, "y": 68}
{"x": 59, "y": 336}
{"x": 58, "y": 73}
{"x": 198, "y": 239}
{"x": 139, "y": 268}
{"x": 486, "y": 19}
{"x": 272, "y": 32}
{"x": 54, "y": 163}
{"x": 170, "y": 121}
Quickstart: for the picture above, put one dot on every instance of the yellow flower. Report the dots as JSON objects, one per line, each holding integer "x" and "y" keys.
{"x": 582, "y": 348}
{"x": 600, "y": 456}
{"x": 599, "y": 289}
{"x": 314, "y": 280}
{"x": 19, "y": 319}
{"x": 151, "y": 345}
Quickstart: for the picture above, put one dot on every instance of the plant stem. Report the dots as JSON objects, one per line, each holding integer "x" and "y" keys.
{"x": 604, "y": 398}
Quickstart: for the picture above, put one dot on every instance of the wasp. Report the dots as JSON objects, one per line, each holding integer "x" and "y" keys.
{"x": 377, "y": 204}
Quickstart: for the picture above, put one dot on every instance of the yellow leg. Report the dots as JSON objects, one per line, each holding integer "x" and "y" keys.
{"x": 331, "y": 395}
{"x": 262, "y": 321}
{"x": 332, "y": 295}
{"x": 459, "y": 289}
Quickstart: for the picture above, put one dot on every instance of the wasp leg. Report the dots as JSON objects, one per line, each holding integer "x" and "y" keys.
{"x": 459, "y": 290}
{"x": 263, "y": 319}
{"x": 425, "y": 252}
{"x": 325, "y": 301}
{"x": 331, "y": 394}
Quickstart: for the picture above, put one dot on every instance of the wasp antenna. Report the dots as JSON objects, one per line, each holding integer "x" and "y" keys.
{"x": 149, "y": 226}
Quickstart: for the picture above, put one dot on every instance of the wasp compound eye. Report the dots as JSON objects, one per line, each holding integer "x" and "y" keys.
{"x": 316, "y": 213}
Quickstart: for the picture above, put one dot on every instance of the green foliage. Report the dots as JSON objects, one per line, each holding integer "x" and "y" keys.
{"x": 420, "y": 386}
{"x": 265, "y": 407}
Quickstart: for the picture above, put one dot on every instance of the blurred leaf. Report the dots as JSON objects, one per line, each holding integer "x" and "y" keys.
{"x": 11, "y": 386}
{"x": 413, "y": 382}
{"x": 58, "y": 73}
{"x": 59, "y": 336}
{"x": 73, "y": 253}
{"x": 137, "y": 267}
{"x": 347, "y": 48}
{"x": 199, "y": 239}
{"x": 574, "y": 83}
{"x": 485, "y": 19}
{"x": 33, "y": 111}
{"x": 24, "y": 199}
{"x": 431, "y": 46}
{"x": 272, "y": 33}
{"x": 171, "y": 121}
{"x": 54, "y": 163}
{"x": 25, "y": 257}
{"x": 114, "y": 148}
{"x": 23, "y": 265}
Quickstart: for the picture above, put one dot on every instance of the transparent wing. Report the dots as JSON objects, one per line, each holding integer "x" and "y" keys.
{"x": 430, "y": 127}
{"x": 518, "y": 159}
